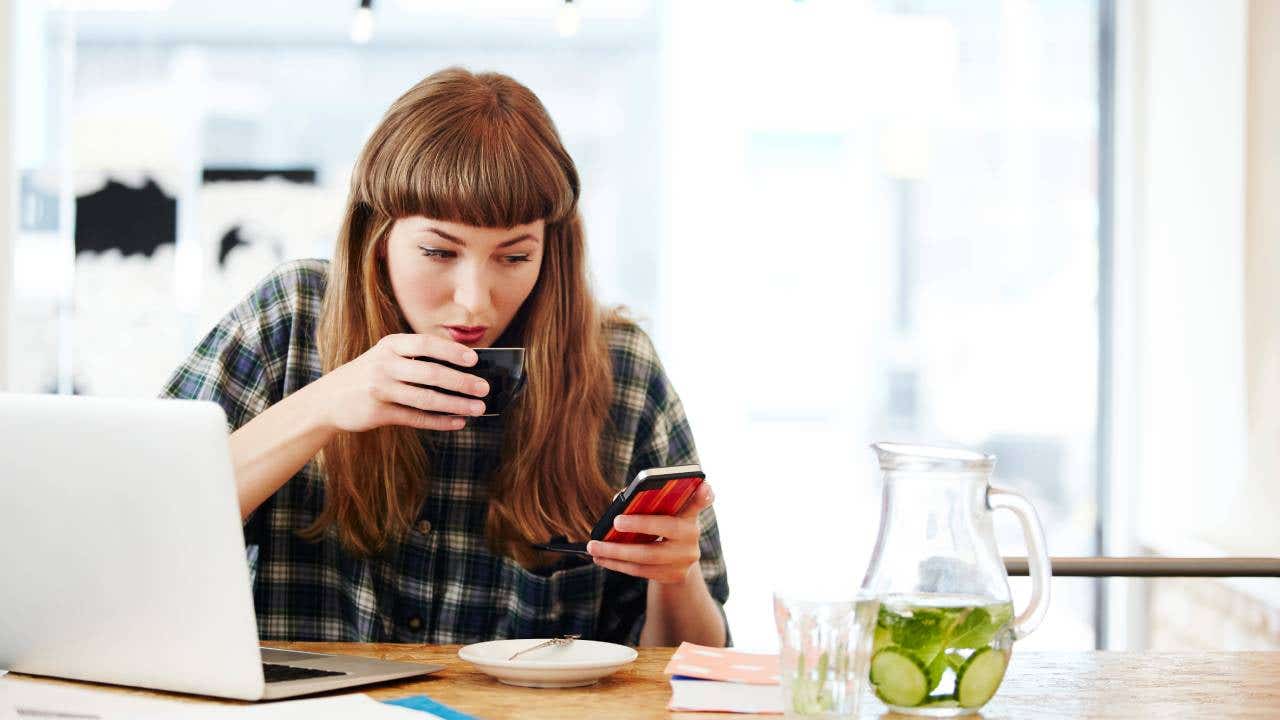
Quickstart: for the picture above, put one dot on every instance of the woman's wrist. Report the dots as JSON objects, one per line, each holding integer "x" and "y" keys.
{"x": 319, "y": 407}
{"x": 684, "y": 611}
{"x": 691, "y": 582}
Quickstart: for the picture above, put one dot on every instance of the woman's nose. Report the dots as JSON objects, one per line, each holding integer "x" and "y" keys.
{"x": 472, "y": 290}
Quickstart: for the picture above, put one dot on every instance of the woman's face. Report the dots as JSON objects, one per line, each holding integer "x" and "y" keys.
{"x": 462, "y": 282}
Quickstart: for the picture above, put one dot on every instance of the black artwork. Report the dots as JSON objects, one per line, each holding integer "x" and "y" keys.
{"x": 232, "y": 240}
{"x": 306, "y": 176}
{"x": 137, "y": 221}
{"x": 133, "y": 221}
{"x": 229, "y": 242}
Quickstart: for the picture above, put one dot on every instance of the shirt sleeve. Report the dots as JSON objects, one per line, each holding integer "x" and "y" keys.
{"x": 227, "y": 368}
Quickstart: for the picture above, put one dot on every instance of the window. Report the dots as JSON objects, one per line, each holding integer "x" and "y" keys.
{"x": 842, "y": 222}
{"x": 882, "y": 226}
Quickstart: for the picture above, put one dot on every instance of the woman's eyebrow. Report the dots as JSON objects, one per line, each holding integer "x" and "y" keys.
{"x": 518, "y": 238}
{"x": 456, "y": 241}
{"x": 446, "y": 236}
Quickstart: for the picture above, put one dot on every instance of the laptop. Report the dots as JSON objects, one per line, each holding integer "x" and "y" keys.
{"x": 122, "y": 556}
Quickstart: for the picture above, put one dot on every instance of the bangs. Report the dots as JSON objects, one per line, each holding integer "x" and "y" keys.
{"x": 484, "y": 155}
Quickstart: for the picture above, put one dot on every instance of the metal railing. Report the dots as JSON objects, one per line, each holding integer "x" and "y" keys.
{"x": 1163, "y": 567}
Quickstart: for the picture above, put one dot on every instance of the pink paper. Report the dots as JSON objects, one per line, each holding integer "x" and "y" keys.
{"x": 724, "y": 664}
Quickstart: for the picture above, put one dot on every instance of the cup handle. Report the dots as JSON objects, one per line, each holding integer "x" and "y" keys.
{"x": 1037, "y": 559}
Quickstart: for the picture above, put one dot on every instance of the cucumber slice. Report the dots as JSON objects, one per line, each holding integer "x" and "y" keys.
{"x": 979, "y": 677}
{"x": 900, "y": 678}
{"x": 944, "y": 702}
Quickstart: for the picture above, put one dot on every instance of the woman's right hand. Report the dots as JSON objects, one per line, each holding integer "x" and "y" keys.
{"x": 382, "y": 386}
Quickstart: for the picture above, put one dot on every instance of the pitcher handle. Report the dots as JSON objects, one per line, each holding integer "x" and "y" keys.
{"x": 1037, "y": 557}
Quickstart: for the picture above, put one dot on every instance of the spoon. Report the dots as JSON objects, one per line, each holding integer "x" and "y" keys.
{"x": 567, "y": 639}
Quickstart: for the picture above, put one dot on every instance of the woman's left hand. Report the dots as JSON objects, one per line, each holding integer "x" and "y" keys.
{"x": 669, "y": 561}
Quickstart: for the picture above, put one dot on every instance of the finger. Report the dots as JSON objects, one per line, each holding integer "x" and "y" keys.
{"x": 651, "y": 553}
{"x": 659, "y": 573}
{"x": 413, "y": 345}
{"x": 408, "y": 417}
{"x": 701, "y": 500}
{"x": 432, "y": 400}
{"x": 436, "y": 375}
{"x": 672, "y": 528}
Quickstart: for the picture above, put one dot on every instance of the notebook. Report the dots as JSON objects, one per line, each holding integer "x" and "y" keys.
{"x": 723, "y": 680}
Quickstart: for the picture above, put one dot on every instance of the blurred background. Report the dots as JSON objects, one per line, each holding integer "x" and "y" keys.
{"x": 1043, "y": 228}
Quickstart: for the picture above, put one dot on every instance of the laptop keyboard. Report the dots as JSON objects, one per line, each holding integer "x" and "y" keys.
{"x": 283, "y": 673}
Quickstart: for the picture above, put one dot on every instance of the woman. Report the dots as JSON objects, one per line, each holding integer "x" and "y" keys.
{"x": 373, "y": 516}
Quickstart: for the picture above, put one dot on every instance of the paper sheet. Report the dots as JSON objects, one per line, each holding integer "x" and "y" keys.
{"x": 27, "y": 699}
{"x": 717, "y": 696}
{"x": 728, "y": 664}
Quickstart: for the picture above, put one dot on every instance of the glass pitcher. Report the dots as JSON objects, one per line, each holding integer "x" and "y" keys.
{"x": 945, "y": 626}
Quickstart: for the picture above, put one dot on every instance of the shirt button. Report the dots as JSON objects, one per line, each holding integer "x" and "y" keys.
{"x": 424, "y": 527}
{"x": 415, "y": 623}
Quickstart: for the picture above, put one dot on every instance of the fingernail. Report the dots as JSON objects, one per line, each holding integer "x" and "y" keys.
{"x": 482, "y": 387}
{"x": 470, "y": 357}
{"x": 592, "y": 547}
{"x": 622, "y": 522}
{"x": 477, "y": 408}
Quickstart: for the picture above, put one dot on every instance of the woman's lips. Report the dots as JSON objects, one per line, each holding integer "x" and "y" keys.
{"x": 466, "y": 334}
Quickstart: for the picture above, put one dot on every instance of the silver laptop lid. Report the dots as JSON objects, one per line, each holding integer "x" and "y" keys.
{"x": 121, "y": 546}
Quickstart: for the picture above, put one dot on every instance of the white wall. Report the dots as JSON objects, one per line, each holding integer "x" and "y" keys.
{"x": 1196, "y": 347}
{"x": 1262, "y": 318}
{"x": 7, "y": 217}
{"x": 1187, "y": 163}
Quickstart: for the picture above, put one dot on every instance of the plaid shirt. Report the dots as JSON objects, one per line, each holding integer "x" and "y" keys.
{"x": 440, "y": 584}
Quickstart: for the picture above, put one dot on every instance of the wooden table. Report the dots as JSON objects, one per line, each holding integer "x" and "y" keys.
{"x": 1038, "y": 685}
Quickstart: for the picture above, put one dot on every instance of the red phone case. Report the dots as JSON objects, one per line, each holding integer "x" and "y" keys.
{"x": 656, "y": 496}
{"x": 658, "y": 491}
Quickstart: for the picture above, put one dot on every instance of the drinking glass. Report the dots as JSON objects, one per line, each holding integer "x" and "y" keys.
{"x": 825, "y": 650}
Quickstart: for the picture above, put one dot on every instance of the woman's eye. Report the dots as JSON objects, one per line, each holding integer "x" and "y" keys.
{"x": 513, "y": 259}
{"x": 436, "y": 252}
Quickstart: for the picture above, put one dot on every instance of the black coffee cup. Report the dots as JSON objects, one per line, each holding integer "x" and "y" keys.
{"x": 502, "y": 368}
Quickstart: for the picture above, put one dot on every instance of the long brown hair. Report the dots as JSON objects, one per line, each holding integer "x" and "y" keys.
{"x": 477, "y": 149}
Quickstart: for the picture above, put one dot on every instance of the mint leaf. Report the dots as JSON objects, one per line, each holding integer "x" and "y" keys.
{"x": 924, "y": 633}
{"x": 924, "y": 629}
{"x": 936, "y": 669}
{"x": 976, "y": 630}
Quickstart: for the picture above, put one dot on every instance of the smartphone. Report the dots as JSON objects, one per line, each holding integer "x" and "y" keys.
{"x": 656, "y": 491}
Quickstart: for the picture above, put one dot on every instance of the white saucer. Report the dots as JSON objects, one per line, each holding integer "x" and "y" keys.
{"x": 579, "y": 663}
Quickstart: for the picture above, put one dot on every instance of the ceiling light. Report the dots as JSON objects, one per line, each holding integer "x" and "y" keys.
{"x": 362, "y": 23}
{"x": 568, "y": 21}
